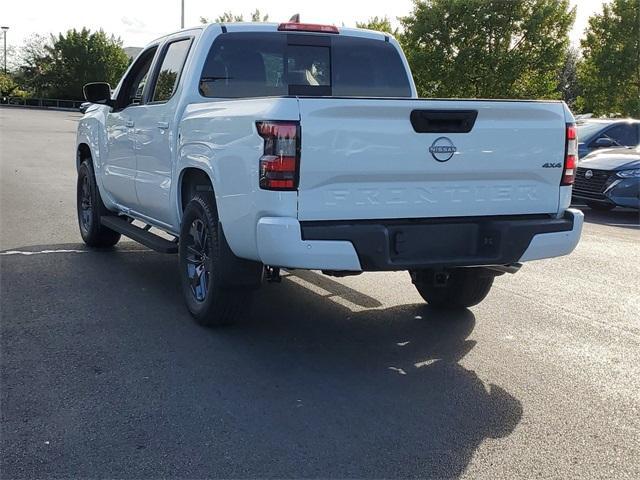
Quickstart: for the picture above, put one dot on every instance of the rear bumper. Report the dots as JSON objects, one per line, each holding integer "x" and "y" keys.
{"x": 416, "y": 243}
{"x": 556, "y": 244}
{"x": 280, "y": 244}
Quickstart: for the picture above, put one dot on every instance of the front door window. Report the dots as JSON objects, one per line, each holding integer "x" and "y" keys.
{"x": 133, "y": 86}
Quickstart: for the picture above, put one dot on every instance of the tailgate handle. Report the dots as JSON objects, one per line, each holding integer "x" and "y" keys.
{"x": 443, "y": 121}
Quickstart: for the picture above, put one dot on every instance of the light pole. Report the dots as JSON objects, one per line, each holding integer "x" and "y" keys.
{"x": 4, "y": 29}
{"x": 182, "y": 14}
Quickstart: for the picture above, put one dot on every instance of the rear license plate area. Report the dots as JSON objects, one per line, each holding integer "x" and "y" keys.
{"x": 443, "y": 242}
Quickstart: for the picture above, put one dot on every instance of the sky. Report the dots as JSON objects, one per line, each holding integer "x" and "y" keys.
{"x": 137, "y": 22}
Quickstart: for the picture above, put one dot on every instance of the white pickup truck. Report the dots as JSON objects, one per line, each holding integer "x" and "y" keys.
{"x": 246, "y": 148}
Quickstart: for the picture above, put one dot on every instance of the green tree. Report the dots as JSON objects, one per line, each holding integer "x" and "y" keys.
{"x": 12, "y": 58}
{"x": 33, "y": 68}
{"x": 60, "y": 66}
{"x": 80, "y": 57}
{"x": 229, "y": 17}
{"x": 610, "y": 71}
{"x": 568, "y": 85}
{"x": 381, "y": 24}
{"x": 7, "y": 85}
{"x": 256, "y": 16}
{"x": 487, "y": 48}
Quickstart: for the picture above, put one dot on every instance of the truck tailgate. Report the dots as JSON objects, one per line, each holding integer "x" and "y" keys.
{"x": 363, "y": 159}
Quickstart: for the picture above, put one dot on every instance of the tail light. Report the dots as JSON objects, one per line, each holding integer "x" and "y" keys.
{"x": 307, "y": 27}
{"x": 280, "y": 162}
{"x": 571, "y": 155}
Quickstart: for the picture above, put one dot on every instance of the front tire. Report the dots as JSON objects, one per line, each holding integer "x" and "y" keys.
{"x": 90, "y": 208}
{"x": 464, "y": 287}
{"x": 200, "y": 255}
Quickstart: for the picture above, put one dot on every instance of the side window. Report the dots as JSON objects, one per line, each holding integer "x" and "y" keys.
{"x": 170, "y": 69}
{"x": 135, "y": 81}
{"x": 624, "y": 134}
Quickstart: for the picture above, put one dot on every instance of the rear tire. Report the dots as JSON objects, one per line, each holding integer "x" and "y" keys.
{"x": 200, "y": 255}
{"x": 601, "y": 207}
{"x": 465, "y": 287}
{"x": 90, "y": 208}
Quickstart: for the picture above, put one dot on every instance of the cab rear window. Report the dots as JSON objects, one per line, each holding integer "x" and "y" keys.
{"x": 262, "y": 64}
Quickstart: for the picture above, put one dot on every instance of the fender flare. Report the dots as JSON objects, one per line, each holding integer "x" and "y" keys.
{"x": 84, "y": 138}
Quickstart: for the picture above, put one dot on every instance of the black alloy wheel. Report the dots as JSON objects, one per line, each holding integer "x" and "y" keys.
{"x": 85, "y": 204}
{"x": 198, "y": 262}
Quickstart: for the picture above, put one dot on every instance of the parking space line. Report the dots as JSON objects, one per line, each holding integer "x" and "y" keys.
{"x": 21, "y": 252}
{"x": 44, "y": 252}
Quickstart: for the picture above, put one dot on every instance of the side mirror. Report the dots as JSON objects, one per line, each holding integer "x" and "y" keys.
{"x": 604, "y": 142}
{"x": 98, "y": 92}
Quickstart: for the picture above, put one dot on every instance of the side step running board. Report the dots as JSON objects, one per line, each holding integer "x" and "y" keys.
{"x": 140, "y": 235}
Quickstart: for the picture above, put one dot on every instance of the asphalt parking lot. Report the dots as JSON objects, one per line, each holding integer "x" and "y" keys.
{"x": 104, "y": 374}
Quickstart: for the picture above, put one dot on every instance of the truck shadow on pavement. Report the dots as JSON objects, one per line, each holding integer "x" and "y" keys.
{"x": 101, "y": 360}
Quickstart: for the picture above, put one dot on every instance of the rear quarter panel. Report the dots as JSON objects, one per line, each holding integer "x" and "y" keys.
{"x": 220, "y": 137}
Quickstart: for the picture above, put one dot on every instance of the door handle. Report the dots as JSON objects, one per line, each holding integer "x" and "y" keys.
{"x": 129, "y": 123}
{"x": 163, "y": 125}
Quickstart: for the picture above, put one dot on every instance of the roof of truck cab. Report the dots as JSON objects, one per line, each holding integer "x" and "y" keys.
{"x": 185, "y": 30}
{"x": 273, "y": 27}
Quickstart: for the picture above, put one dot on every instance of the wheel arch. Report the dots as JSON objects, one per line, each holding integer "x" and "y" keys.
{"x": 91, "y": 139}
{"x": 192, "y": 180}
{"x": 83, "y": 152}
{"x": 235, "y": 271}
{"x": 89, "y": 147}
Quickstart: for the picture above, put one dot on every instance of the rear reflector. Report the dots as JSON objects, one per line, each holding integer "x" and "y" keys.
{"x": 279, "y": 164}
{"x": 571, "y": 156}
{"x": 307, "y": 27}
